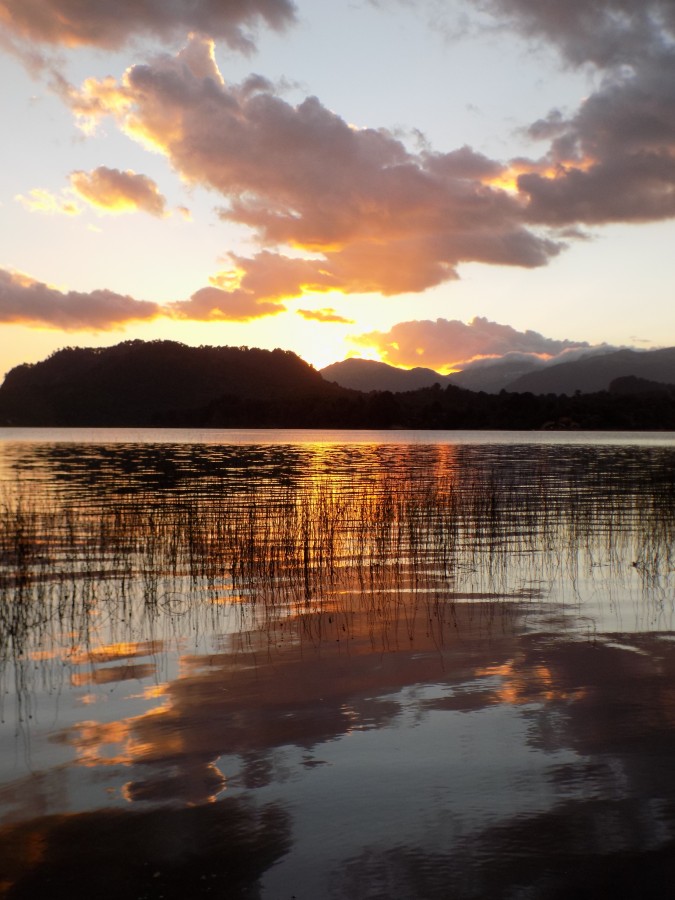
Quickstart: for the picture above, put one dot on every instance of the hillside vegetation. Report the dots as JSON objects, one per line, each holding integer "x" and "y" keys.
{"x": 164, "y": 383}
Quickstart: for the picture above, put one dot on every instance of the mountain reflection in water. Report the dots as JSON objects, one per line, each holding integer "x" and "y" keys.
{"x": 337, "y": 670}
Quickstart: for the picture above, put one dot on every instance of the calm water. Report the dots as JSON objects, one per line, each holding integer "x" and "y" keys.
{"x": 345, "y": 665}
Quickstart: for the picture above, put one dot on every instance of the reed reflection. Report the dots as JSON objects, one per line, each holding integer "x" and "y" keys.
{"x": 217, "y": 624}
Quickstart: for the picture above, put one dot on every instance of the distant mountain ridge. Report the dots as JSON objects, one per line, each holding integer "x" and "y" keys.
{"x": 596, "y": 373}
{"x": 369, "y": 375}
{"x": 592, "y": 372}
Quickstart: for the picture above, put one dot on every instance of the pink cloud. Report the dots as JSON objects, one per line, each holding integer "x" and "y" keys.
{"x": 28, "y": 302}
{"x": 111, "y": 190}
{"x": 25, "y": 301}
{"x": 380, "y": 218}
{"x": 214, "y": 304}
{"x": 445, "y": 344}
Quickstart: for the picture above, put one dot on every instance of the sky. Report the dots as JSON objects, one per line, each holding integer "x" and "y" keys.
{"x": 424, "y": 183}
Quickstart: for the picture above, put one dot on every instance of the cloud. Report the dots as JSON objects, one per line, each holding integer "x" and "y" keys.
{"x": 378, "y": 217}
{"x": 113, "y": 191}
{"x": 112, "y": 23}
{"x": 105, "y": 190}
{"x": 446, "y": 344}
{"x": 44, "y": 201}
{"x": 606, "y": 33}
{"x": 215, "y": 304}
{"x": 27, "y": 302}
{"x": 324, "y": 315}
{"x": 613, "y": 160}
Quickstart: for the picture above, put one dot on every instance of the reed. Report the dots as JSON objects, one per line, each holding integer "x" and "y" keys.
{"x": 394, "y": 545}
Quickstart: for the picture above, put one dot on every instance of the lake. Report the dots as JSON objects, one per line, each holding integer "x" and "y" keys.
{"x": 294, "y": 665}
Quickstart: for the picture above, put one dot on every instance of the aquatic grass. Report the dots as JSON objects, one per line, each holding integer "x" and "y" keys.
{"x": 398, "y": 545}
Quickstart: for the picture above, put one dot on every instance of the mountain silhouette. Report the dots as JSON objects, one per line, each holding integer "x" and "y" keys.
{"x": 483, "y": 375}
{"x": 595, "y": 373}
{"x": 369, "y": 375}
{"x": 490, "y": 375}
{"x": 167, "y": 384}
{"x": 147, "y": 383}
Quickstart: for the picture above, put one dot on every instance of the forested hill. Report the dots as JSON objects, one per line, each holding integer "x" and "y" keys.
{"x": 139, "y": 383}
{"x": 163, "y": 383}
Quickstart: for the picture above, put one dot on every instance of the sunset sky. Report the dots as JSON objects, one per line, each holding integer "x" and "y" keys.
{"x": 424, "y": 182}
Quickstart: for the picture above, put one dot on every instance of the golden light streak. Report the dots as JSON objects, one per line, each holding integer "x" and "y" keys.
{"x": 117, "y": 651}
{"x": 154, "y": 691}
{"x": 92, "y": 737}
{"x": 88, "y": 699}
{"x": 526, "y": 685}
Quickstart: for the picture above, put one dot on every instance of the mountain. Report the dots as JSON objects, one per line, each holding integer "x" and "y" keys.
{"x": 492, "y": 376}
{"x": 139, "y": 383}
{"x": 489, "y": 375}
{"x": 166, "y": 384}
{"x": 483, "y": 375}
{"x": 595, "y": 373}
{"x": 368, "y": 375}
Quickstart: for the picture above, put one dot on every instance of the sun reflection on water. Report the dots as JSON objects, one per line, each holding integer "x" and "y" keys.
{"x": 278, "y": 632}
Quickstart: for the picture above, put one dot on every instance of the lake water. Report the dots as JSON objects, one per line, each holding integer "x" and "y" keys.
{"x": 344, "y": 665}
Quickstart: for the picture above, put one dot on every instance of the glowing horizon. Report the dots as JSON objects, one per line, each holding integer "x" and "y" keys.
{"x": 155, "y": 187}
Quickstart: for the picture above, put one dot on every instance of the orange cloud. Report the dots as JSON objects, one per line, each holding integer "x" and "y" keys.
{"x": 378, "y": 218}
{"x": 445, "y": 344}
{"x": 213, "y": 304}
{"x": 113, "y": 191}
{"x": 324, "y": 315}
{"x": 273, "y": 276}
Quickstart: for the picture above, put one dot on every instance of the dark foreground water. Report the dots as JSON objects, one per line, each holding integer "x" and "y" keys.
{"x": 288, "y": 665}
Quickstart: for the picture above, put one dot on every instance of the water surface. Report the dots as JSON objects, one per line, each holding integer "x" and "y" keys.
{"x": 341, "y": 665}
